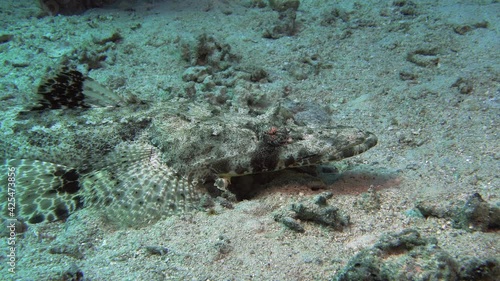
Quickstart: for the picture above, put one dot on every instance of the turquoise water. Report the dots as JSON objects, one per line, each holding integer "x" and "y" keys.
{"x": 127, "y": 126}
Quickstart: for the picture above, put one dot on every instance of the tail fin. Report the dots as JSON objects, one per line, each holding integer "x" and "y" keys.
{"x": 43, "y": 191}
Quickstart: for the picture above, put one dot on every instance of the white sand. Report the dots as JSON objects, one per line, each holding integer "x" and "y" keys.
{"x": 435, "y": 143}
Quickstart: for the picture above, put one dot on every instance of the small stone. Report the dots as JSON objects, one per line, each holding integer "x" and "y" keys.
{"x": 223, "y": 245}
{"x": 474, "y": 215}
{"x": 321, "y": 199}
{"x": 326, "y": 215}
{"x": 4, "y": 38}
{"x": 156, "y": 250}
{"x": 292, "y": 224}
{"x": 195, "y": 73}
{"x": 283, "y": 5}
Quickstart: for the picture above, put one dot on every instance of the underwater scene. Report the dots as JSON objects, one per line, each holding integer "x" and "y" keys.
{"x": 266, "y": 140}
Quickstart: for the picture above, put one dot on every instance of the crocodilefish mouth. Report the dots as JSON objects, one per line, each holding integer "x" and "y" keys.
{"x": 138, "y": 183}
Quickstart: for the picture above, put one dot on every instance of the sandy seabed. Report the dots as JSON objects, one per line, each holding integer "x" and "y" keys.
{"x": 423, "y": 76}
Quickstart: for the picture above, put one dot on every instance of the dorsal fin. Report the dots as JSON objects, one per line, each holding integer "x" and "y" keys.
{"x": 69, "y": 88}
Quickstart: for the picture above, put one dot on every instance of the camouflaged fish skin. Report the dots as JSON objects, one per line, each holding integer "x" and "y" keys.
{"x": 215, "y": 147}
{"x": 178, "y": 151}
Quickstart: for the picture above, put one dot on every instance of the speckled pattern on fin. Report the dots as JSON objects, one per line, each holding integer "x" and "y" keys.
{"x": 130, "y": 187}
{"x": 133, "y": 188}
{"x": 71, "y": 89}
{"x": 43, "y": 191}
{"x": 65, "y": 90}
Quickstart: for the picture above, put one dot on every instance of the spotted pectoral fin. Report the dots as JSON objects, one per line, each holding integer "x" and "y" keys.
{"x": 133, "y": 188}
{"x": 42, "y": 191}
